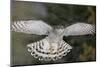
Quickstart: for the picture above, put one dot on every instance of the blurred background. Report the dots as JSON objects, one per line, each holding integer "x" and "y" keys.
{"x": 84, "y": 47}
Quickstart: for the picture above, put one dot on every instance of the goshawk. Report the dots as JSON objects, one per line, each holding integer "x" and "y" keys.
{"x": 52, "y": 47}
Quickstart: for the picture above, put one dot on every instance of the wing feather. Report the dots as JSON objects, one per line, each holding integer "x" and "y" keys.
{"x": 79, "y": 29}
{"x": 37, "y": 27}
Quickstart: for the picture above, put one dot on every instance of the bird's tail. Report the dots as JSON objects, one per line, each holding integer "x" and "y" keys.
{"x": 40, "y": 50}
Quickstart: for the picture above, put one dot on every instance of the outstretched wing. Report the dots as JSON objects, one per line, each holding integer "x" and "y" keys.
{"x": 31, "y": 27}
{"x": 79, "y": 29}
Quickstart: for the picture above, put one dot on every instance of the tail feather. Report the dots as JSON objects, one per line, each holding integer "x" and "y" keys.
{"x": 40, "y": 50}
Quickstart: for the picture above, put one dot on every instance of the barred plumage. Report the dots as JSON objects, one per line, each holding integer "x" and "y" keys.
{"x": 19, "y": 26}
{"x": 31, "y": 27}
{"x": 53, "y": 47}
{"x": 79, "y": 29}
{"x": 56, "y": 52}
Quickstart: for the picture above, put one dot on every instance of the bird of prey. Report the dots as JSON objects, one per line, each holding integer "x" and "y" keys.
{"x": 52, "y": 47}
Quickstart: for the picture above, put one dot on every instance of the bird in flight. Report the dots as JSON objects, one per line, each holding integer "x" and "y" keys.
{"x": 52, "y": 47}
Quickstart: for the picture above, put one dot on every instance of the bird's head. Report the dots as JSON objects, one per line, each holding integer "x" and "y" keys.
{"x": 56, "y": 34}
{"x": 59, "y": 30}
